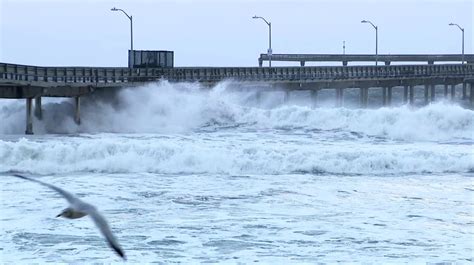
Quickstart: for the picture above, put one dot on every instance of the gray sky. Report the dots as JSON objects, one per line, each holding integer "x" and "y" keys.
{"x": 223, "y": 33}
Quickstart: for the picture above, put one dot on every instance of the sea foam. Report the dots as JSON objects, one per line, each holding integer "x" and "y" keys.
{"x": 184, "y": 108}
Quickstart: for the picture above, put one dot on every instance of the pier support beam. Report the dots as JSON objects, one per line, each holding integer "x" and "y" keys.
{"x": 412, "y": 95}
{"x": 384, "y": 96}
{"x": 427, "y": 94}
{"x": 286, "y": 97}
{"x": 405, "y": 94}
{"x": 258, "y": 97}
{"x": 29, "y": 118}
{"x": 314, "y": 97}
{"x": 339, "y": 97}
{"x": 432, "y": 93}
{"x": 464, "y": 90}
{"x": 453, "y": 91}
{"x": 471, "y": 95}
{"x": 389, "y": 96}
{"x": 446, "y": 91}
{"x": 38, "y": 110}
{"x": 77, "y": 112}
{"x": 364, "y": 96}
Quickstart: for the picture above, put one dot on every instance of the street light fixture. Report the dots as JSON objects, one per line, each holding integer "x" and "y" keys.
{"x": 269, "y": 52}
{"x": 462, "y": 30}
{"x": 131, "y": 33}
{"x": 376, "y": 40}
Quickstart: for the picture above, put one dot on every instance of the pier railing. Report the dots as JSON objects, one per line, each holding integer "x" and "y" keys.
{"x": 382, "y": 58}
{"x": 106, "y": 75}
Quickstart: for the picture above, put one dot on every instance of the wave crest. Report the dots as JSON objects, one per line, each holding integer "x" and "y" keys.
{"x": 182, "y": 108}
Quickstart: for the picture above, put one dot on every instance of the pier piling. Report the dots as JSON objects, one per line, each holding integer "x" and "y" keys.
{"x": 77, "y": 112}
{"x": 286, "y": 97}
{"x": 339, "y": 97}
{"x": 314, "y": 97}
{"x": 38, "y": 108}
{"x": 432, "y": 93}
{"x": 412, "y": 95}
{"x": 389, "y": 96}
{"x": 405, "y": 94}
{"x": 29, "y": 118}
{"x": 384, "y": 96}
{"x": 464, "y": 90}
{"x": 471, "y": 95}
{"x": 427, "y": 94}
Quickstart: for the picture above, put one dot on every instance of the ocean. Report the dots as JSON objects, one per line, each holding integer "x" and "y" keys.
{"x": 190, "y": 175}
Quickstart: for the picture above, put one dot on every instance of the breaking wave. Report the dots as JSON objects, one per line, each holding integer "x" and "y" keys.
{"x": 184, "y": 108}
{"x": 227, "y": 155}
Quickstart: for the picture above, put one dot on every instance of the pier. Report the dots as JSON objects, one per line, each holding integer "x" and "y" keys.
{"x": 34, "y": 82}
{"x": 385, "y": 58}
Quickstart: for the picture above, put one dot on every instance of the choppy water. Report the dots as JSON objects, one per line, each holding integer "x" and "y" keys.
{"x": 192, "y": 176}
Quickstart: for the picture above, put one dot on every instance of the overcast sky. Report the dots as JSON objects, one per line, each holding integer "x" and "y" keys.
{"x": 222, "y": 32}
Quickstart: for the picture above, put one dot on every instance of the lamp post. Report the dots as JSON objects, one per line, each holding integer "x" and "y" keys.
{"x": 462, "y": 30}
{"x": 376, "y": 40}
{"x": 131, "y": 33}
{"x": 269, "y": 52}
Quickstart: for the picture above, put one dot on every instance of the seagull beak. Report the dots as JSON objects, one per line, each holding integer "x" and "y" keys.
{"x": 59, "y": 215}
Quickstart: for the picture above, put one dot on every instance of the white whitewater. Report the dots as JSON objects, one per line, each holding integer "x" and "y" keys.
{"x": 217, "y": 176}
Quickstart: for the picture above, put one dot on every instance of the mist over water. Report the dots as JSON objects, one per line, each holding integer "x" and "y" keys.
{"x": 187, "y": 174}
{"x": 186, "y": 108}
{"x": 183, "y": 128}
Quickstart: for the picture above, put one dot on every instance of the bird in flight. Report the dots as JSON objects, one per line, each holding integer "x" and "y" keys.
{"x": 78, "y": 209}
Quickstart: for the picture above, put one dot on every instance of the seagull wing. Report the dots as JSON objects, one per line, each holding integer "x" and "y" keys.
{"x": 101, "y": 223}
{"x": 98, "y": 219}
{"x": 69, "y": 197}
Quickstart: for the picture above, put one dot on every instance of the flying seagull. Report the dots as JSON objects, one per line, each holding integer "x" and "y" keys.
{"x": 78, "y": 209}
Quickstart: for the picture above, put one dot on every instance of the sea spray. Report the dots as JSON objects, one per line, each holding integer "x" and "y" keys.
{"x": 184, "y": 108}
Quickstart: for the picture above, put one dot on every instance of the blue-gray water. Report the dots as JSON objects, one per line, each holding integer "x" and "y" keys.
{"x": 192, "y": 176}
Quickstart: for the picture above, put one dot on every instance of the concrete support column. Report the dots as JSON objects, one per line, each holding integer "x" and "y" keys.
{"x": 389, "y": 96}
{"x": 432, "y": 93}
{"x": 29, "y": 118}
{"x": 427, "y": 94}
{"x": 453, "y": 91}
{"x": 38, "y": 109}
{"x": 412, "y": 95}
{"x": 364, "y": 97}
{"x": 286, "y": 97}
{"x": 77, "y": 112}
{"x": 471, "y": 95}
{"x": 314, "y": 97}
{"x": 405, "y": 94}
{"x": 445, "y": 91}
{"x": 339, "y": 97}
{"x": 384, "y": 96}
{"x": 258, "y": 97}
{"x": 464, "y": 90}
